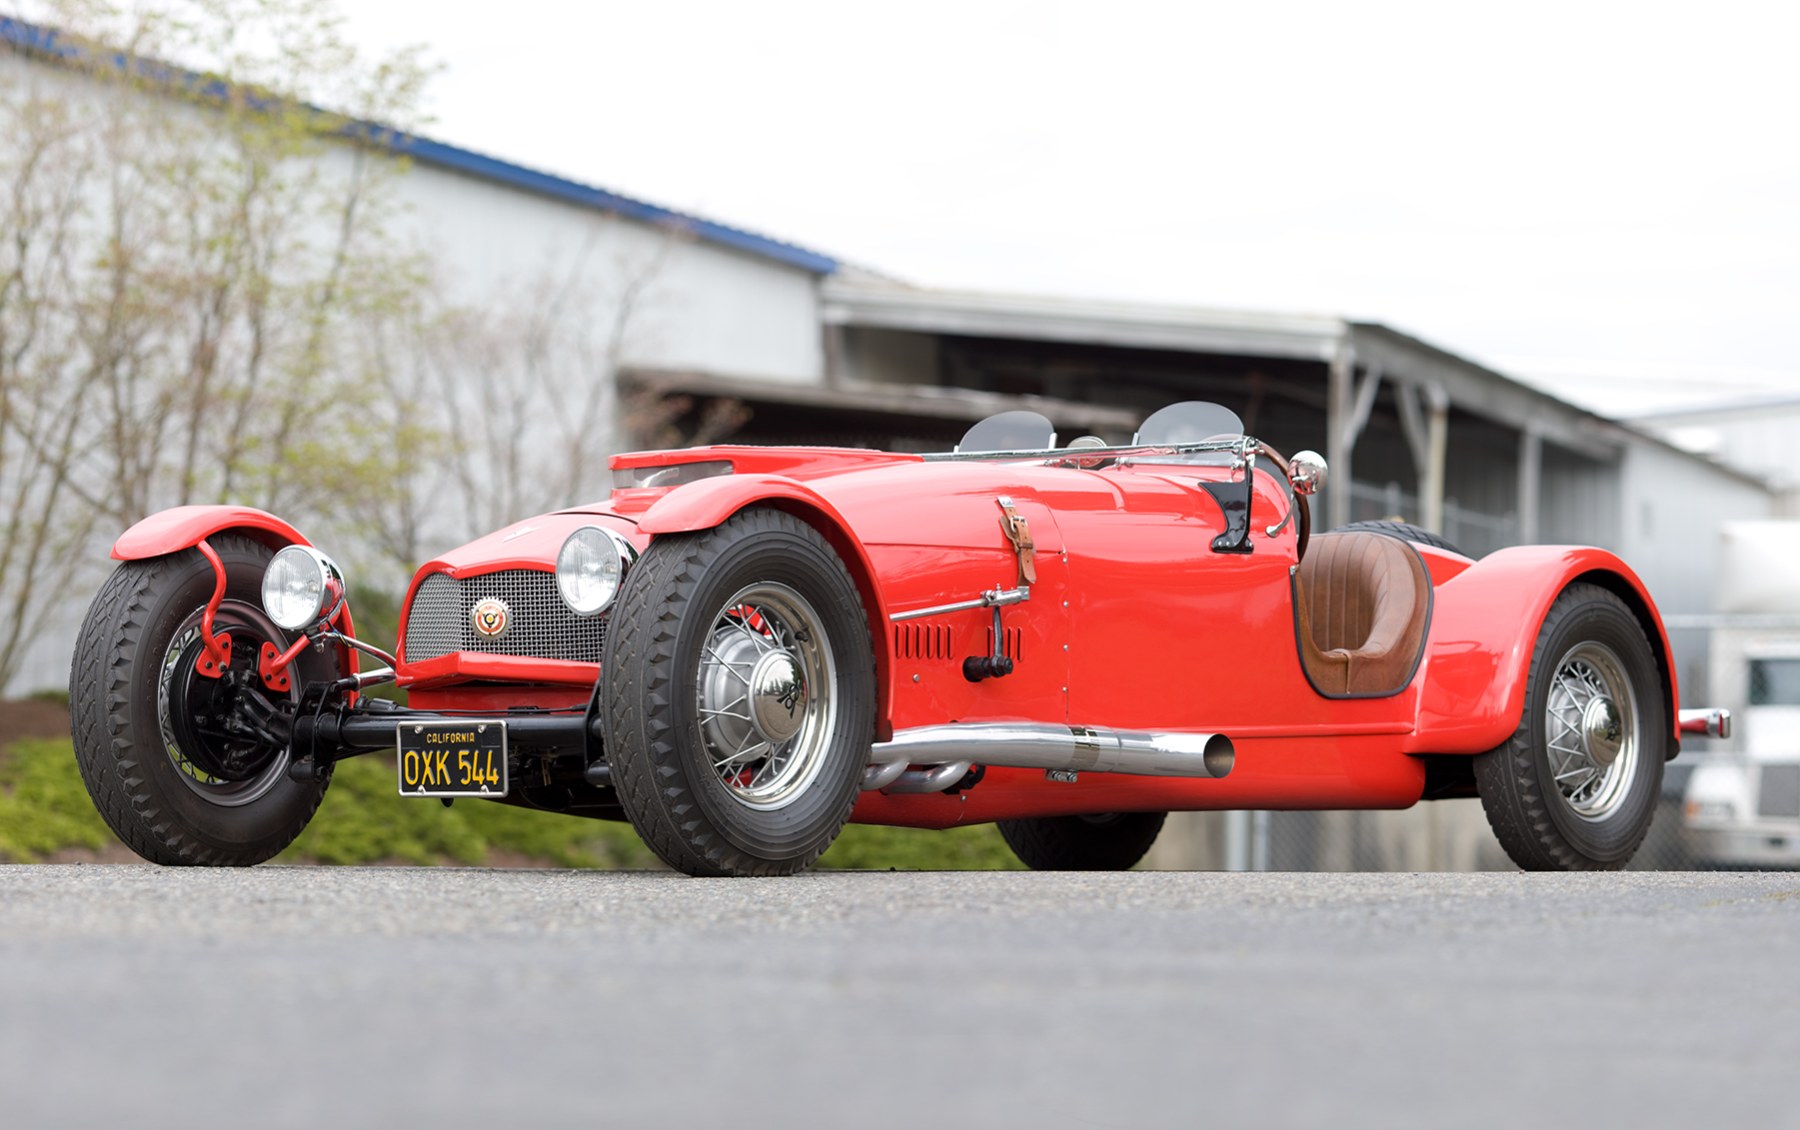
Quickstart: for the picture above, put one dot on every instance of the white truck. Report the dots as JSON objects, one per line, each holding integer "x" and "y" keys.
{"x": 1742, "y": 805}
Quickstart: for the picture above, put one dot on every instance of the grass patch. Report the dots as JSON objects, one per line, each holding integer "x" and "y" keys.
{"x": 44, "y": 809}
{"x": 875, "y": 847}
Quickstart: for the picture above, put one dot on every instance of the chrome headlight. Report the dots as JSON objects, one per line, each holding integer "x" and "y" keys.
{"x": 302, "y": 586}
{"x": 590, "y": 567}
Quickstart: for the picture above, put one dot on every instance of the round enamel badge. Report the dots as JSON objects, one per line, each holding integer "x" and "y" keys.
{"x": 491, "y": 617}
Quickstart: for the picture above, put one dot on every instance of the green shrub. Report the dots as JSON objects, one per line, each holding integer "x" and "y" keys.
{"x": 44, "y": 807}
{"x": 365, "y": 820}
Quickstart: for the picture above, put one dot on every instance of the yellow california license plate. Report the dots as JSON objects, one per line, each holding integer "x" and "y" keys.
{"x": 461, "y": 759}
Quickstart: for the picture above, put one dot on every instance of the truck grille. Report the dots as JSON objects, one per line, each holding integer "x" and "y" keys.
{"x": 542, "y": 627}
{"x": 1779, "y": 793}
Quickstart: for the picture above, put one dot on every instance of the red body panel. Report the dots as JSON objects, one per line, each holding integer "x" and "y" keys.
{"x": 1134, "y": 622}
{"x": 795, "y": 462}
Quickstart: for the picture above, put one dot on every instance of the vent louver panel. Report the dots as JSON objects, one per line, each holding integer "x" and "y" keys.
{"x": 922, "y": 641}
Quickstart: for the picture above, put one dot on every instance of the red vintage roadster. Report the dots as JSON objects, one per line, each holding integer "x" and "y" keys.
{"x": 743, "y": 648}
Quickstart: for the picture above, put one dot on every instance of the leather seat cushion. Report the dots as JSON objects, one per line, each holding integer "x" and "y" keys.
{"x": 1362, "y": 605}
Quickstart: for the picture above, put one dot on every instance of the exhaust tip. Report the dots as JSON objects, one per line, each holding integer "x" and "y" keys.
{"x": 1219, "y": 756}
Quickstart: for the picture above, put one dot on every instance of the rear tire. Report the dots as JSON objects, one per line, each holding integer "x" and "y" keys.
{"x": 1576, "y": 786}
{"x": 1405, "y": 531}
{"x": 1113, "y": 841}
{"x": 171, "y": 785}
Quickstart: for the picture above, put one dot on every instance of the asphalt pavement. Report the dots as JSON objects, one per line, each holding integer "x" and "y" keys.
{"x": 313, "y": 997}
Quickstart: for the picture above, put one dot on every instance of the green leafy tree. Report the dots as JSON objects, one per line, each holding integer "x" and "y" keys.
{"x": 195, "y": 253}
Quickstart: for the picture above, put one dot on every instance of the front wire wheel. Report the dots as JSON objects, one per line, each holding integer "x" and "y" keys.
{"x": 219, "y": 765}
{"x": 738, "y": 684}
{"x": 164, "y": 751}
{"x": 765, "y": 696}
{"x": 1576, "y": 785}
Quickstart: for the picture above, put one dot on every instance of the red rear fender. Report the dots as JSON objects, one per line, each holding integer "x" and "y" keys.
{"x": 1484, "y": 627}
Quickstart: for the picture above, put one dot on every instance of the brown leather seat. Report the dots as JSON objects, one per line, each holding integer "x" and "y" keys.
{"x": 1362, "y": 605}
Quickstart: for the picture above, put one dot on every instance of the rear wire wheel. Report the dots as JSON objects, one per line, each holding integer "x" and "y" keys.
{"x": 1575, "y": 787}
{"x": 738, "y": 684}
{"x": 1112, "y": 841}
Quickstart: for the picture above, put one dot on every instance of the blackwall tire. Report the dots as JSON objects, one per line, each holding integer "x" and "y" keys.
{"x": 739, "y": 696}
{"x": 1576, "y": 786}
{"x": 1405, "y": 531}
{"x": 141, "y": 746}
{"x": 1112, "y": 842}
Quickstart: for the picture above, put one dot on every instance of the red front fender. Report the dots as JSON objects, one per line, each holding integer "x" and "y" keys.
{"x": 184, "y": 527}
{"x": 703, "y": 505}
{"x": 1484, "y": 627}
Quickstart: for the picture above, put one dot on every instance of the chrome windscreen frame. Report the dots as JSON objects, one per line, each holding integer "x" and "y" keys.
{"x": 1243, "y": 450}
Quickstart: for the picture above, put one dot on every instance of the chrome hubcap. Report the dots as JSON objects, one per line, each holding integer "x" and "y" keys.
{"x": 1600, "y": 733}
{"x": 777, "y": 697}
{"x": 1591, "y": 723}
{"x": 764, "y": 695}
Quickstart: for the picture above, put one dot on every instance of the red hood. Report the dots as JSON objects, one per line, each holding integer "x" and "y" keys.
{"x": 531, "y": 544}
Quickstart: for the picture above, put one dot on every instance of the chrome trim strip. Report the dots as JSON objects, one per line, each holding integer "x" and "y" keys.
{"x": 1241, "y": 446}
{"x": 992, "y": 598}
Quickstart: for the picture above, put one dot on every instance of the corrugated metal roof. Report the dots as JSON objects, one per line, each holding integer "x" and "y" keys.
{"x": 54, "y": 45}
{"x": 879, "y": 303}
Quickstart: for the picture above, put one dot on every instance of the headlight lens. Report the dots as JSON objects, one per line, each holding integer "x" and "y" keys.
{"x": 590, "y": 567}
{"x": 299, "y": 586}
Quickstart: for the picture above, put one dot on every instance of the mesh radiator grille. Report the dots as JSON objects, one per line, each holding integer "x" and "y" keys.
{"x": 542, "y": 627}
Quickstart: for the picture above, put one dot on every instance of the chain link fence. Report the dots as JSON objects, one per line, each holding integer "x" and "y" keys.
{"x": 1475, "y": 532}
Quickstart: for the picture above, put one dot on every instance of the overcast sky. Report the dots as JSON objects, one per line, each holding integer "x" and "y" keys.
{"x": 1603, "y": 188}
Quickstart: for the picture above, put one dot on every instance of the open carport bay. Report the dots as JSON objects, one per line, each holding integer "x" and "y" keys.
{"x": 385, "y": 997}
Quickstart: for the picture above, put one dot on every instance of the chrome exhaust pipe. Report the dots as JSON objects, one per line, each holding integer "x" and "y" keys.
{"x": 930, "y": 780}
{"x": 1073, "y": 749}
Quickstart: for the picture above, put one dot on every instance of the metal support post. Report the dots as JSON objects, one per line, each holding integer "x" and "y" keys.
{"x": 1237, "y": 840}
{"x": 1531, "y": 469}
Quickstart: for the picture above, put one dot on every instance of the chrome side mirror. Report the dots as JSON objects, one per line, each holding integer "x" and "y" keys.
{"x": 1306, "y": 471}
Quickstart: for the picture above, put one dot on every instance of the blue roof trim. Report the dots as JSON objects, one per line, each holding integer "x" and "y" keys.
{"x": 34, "y": 38}
{"x": 437, "y": 153}
{"x": 52, "y": 44}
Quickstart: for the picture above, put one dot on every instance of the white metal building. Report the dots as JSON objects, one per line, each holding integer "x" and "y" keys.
{"x": 1756, "y": 435}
